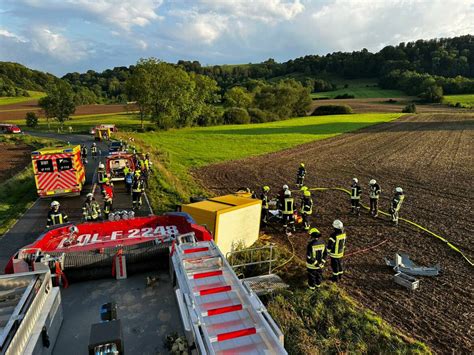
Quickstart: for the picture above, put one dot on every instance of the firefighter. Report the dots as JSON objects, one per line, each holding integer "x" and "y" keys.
{"x": 397, "y": 201}
{"x": 94, "y": 151}
{"x": 355, "y": 196}
{"x": 55, "y": 216}
{"x": 91, "y": 209}
{"x": 108, "y": 198}
{"x": 84, "y": 153}
{"x": 129, "y": 181}
{"x": 374, "y": 194}
{"x": 306, "y": 208}
{"x": 101, "y": 175}
{"x": 288, "y": 210}
{"x": 316, "y": 254}
{"x": 137, "y": 191}
{"x": 336, "y": 246}
{"x": 300, "y": 175}
{"x": 281, "y": 196}
{"x": 265, "y": 201}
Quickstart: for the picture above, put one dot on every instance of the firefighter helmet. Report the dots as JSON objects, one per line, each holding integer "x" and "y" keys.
{"x": 399, "y": 190}
{"x": 266, "y": 188}
{"x": 372, "y": 182}
{"x": 307, "y": 193}
{"x": 101, "y": 166}
{"x": 287, "y": 193}
{"x": 302, "y": 165}
{"x": 355, "y": 180}
{"x": 303, "y": 188}
{"x": 337, "y": 224}
{"x": 89, "y": 195}
{"x": 314, "y": 232}
{"x": 285, "y": 187}
{"x": 93, "y": 144}
{"x": 54, "y": 204}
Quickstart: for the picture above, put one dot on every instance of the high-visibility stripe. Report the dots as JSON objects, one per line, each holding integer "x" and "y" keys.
{"x": 210, "y": 291}
{"x": 203, "y": 275}
{"x": 195, "y": 250}
{"x": 221, "y": 310}
{"x": 236, "y": 334}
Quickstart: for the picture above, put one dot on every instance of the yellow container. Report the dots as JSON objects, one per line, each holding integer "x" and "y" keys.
{"x": 231, "y": 219}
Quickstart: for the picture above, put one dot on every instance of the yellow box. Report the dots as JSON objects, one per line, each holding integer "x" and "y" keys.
{"x": 231, "y": 219}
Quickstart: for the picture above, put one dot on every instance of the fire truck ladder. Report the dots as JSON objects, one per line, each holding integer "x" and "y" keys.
{"x": 220, "y": 314}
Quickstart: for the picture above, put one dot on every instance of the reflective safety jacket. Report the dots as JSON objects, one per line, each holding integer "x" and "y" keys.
{"x": 288, "y": 205}
{"x": 374, "y": 191}
{"x": 306, "y": 205}
{"x": 264, "y": 198}
{"x": 91, "y": 210}
{"x": 56, "y": 218}
{"x": 84, "y": 151}
{"x": 93, "y": 150}
{"x": 126, "y": 170}
{"x": 315, "y": 254}
{"x": 397, "y": 201}
{"x": 101, "y": 175}
{"x": 137, "y": 186}
{"x": 301, "y": 171}
{"x": 337, "y": 244}
{"x": 355, "y": 192}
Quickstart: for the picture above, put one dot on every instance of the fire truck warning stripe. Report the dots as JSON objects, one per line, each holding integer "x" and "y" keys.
{"x": 221, "y": 310}
{"x": 210, "y": 291}
{"x": 202, "y": 275}
{"x": 195, "y": 250}
{"x": 236, "y": 334}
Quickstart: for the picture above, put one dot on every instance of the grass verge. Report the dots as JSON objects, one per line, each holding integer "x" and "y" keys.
{"x": 176, "y": 152}
{"x": 18, "y": 193}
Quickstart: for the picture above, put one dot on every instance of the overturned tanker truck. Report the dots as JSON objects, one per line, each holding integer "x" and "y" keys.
{"x": 121, "y": 287}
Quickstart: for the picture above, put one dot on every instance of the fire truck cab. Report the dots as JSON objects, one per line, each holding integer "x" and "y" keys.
{"x": 8, "y": 128}
{"x": 58, "y": 171}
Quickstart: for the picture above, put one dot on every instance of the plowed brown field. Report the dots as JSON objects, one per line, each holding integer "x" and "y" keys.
{"x": 14, "y": 158}
{"x": 432, "y": 157}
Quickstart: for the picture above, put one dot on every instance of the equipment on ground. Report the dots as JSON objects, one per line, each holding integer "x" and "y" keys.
{"x": 231, "y": 219}
{"x": 58, "y": 171}
{"x": 402, "y": 263}
{"x": 337, "y": 224}
{"x": 220, "y": 314}
{"x": 406, "y": 281}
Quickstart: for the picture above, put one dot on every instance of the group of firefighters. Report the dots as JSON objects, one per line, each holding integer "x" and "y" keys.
{"x": 135, "y": 183}
{"x": 317, "y": 250}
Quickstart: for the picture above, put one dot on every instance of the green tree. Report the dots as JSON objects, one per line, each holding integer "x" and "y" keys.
{"x": 433, "y": 93}
{"x": 238, "y": 97}
{"x": 59, "y": 102}
{"x": 138, "y": 88}
{"x": 31, "y": 119}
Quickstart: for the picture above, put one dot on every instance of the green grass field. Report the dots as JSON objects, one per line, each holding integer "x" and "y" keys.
{"x": 465, "y": 101}
{"x": 361, "y": 89}
{"x": 34, "y": 95}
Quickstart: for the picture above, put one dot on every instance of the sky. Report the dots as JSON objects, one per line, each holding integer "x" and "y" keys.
{"x": 61, "y": 36}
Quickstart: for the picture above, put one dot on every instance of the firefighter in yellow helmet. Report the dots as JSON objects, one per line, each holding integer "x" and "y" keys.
{"x": 265, "y": 204}
{"x": 300, "y": 175}
{"x": 316, "y": 254}
{"x": 306, "y": 209}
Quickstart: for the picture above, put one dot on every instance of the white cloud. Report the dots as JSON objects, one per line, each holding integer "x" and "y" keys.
{"x": 12, "y": 36}
{"x": 45, "y": 41}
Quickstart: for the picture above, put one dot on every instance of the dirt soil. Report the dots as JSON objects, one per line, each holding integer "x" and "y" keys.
{"x": 431, "y": 157}
{"x": 14, "y": 158}
{"x": 383, "y": 105}
{"x": 19, "y": 110}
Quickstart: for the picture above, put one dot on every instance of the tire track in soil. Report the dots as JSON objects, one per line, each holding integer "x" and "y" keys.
{"x": 430, "y": 156}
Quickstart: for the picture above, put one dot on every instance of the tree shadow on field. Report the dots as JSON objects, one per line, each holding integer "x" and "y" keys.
{"x": 342, "y": 127}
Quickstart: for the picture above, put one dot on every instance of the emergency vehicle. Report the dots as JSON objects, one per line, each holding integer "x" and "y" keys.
{"x": 116, "y": 162}
{"x": 58, "y": 171}
{"x": 9, "y": 128}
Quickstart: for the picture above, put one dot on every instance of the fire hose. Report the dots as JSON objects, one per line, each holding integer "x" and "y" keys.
{"x": 416, "y": 225}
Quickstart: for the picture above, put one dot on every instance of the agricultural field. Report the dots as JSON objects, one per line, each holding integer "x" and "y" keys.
{"x": 463, "y": 101}
{"x": 34, "y": 95}
{"x": 360, "y": 89}
{"x": 438, "y": 185}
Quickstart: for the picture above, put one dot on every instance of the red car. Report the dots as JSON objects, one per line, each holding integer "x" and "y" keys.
{"x": 9, "y": 128}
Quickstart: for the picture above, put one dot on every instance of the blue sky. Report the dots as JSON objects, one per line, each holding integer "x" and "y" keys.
{"x": 61, "y": 36}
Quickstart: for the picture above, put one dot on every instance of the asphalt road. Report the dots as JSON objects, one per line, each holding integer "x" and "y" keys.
{"x": 33, "y": 222}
